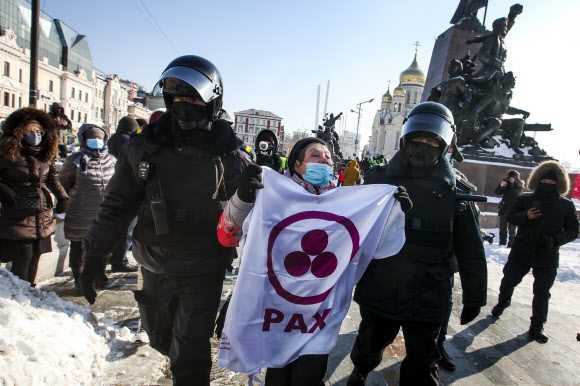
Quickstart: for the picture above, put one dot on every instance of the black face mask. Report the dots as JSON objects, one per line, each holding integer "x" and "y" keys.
{"x": 188, "y": 112}
{"x": 546, "y": 190}
{"x": 421, "y": 154}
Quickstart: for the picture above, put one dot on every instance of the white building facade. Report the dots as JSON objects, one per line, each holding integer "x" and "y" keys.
{"x": 65, "y": 72}
{"x": 388, "y": 121}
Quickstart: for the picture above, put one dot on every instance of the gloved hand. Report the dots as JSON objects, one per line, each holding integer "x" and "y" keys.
{"x": 61, "y": 205}
{"x": 7, "y": 196}
{"x": 403, "y": 197}
{"x": 469, "y": 313}
{"x": 547, "y": 242}
{"x": 93, "y": 270}
{"x": 250, "y": 180}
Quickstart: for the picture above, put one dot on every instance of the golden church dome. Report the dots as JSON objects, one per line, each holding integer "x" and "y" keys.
{"x": 399, "y": 90}
{"x": 413, "y": 74}
{"x": 388, "y": 96}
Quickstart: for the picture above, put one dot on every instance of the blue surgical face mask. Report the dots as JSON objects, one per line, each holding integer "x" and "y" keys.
{"x": 95, "y": 143}
{"x": 33, "y": 139}
{"x": 317, "y": 174}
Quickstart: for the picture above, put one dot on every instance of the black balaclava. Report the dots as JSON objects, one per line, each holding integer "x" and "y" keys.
{"x": 421, "y": 154}
{"x": 546, "y": 190}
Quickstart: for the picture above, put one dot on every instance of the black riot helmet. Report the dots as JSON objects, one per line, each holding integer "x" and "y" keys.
{"x": 193, "y": 76}
{"x": 429, "y": 119}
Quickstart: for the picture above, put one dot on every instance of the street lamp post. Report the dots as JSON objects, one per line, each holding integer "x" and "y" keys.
{"x": 358, "y": 106}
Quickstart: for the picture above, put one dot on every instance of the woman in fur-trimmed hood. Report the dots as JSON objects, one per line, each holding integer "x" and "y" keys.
{"x": 552, "y": 167}
{"x": 28, "y": 146}
{"x": 546, "y": 220}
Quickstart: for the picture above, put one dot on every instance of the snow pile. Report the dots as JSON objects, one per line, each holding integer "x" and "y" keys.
{"x": 45, "y": 340}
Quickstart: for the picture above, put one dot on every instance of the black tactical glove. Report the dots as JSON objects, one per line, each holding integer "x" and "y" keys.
{"x": 93, "y": 271}
{"x": 469, "y": 313}
{"x": 547, "y": 242}
{"x": 403, "y": 197}
{"x": 7, "y": 196}
{"x": 250, "y": 180}
{"x": 61, "y": 205}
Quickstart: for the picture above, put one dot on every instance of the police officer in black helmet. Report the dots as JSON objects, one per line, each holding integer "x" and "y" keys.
{"x": 411, "y": 289}
{"x": 174, "y": 175}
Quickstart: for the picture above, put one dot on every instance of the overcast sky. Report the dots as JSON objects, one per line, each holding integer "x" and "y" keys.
{"x": 272, "y": 55}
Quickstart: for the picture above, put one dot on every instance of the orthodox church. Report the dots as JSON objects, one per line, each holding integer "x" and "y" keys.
{"x": 388, "y": 121}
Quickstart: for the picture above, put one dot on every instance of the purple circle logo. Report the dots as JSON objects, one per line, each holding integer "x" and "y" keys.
{"x": 312, "y": 259}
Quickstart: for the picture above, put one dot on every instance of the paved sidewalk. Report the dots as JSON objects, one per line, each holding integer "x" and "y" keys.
{"x": 488, "y": 351}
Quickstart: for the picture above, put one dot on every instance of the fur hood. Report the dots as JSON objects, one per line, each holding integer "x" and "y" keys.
{"x": 13, "y": 133}
{"x": 563, "y": 182}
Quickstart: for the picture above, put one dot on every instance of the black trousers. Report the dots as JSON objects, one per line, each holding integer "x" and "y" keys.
{"x": 376, "y": 332}
{"x": 307, "y": 370}
{"x": 544, "y": 278}
{"x": 76, "y": 258}
{"x": 178, "y": 314}
{"x": 504, "y": 229}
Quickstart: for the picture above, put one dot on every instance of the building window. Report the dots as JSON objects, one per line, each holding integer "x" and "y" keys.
{"x": 102, "y": 114}
{"x": 79, "y": 116}
{"x": 72, "y": 94}
{"x": 6, "y": 99}
{"x": 13, "y": 100}
{"x": 85, "y": 118}
{"x": 409, "y": 97}
{"x": 72, "y": 115}
{"x": 19, "y": 102}
{"x": 415, "y": 97}
{"x": 241, "y": 119}
{"x": 87, "y": 97}
{"x": 240, "y": 128}
{"x": 397, "y": 141}
{"x": 20, "y": 75}
{"x": 6, "y": 69}
{"x": 50, "y": 85}
{"x": 80, "y": 95}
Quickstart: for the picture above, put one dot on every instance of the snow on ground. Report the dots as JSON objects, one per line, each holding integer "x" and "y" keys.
{"x": 45, "y": 340}
{"x": 569, "y": 270}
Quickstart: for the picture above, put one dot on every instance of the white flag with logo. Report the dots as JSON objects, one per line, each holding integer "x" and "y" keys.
{"x": 301, "y": 257}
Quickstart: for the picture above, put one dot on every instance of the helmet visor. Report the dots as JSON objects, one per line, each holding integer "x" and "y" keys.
{"x": 431, "y": 123}
{"x": 173, "y": 79}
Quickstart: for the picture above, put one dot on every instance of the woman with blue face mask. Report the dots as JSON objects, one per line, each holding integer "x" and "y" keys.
{"x": 310, "y": 166}
{"x": 84, "y": 176}
{"x": 28, "y": 146}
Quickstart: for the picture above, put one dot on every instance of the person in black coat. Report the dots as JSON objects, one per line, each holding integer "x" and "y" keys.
{"x": 509, "y": 188}
{"x": 412, "y": 289}
{"x": 546, "y": 220}
{"x": 119, "y": 260}
{"x": 175, "y": 175}
{"x": 125, "y": 127}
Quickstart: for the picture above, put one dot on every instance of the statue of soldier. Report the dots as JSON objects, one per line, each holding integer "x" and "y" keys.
{"x": 487, "y": 114}
{"x": 456, "y": 94}
{"x": 493, "y": 52}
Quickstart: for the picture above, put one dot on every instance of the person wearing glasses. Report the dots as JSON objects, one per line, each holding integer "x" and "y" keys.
{"x": 28, "y": 146}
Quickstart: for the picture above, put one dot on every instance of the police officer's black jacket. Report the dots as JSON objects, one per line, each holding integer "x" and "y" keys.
{"x": 156, "y": 165}
{"x": 414, "y": 285}
{"x": 558, "y": 220}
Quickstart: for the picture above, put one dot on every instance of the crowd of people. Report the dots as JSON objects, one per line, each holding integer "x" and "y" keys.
{"x": 123, "y": 191}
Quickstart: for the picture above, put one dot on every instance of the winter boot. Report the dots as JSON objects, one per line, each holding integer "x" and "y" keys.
{"x": 446, "y": 362}
{"x": 76, "y": 275}
{"x": 498, "y": 309}
{"x": 356, "y": 378}
{"x": 537, "y": 332}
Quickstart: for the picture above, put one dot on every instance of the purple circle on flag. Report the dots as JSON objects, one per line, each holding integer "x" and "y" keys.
{"x": 324, "y": 266}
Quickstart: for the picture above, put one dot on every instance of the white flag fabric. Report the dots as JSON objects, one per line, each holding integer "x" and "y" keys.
{"x": 301, "y": 257}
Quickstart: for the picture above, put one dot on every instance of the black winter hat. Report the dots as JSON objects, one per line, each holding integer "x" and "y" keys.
{"x": 550, "y": 175}
{"x": 127, "y": 124}
{"x": 93, "y": 132}
{"x": 299, "y": 148}
{"x": 514, "y": 173}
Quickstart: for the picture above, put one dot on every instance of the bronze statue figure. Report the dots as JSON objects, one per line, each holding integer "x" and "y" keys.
{"x": 467, "y": 8}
